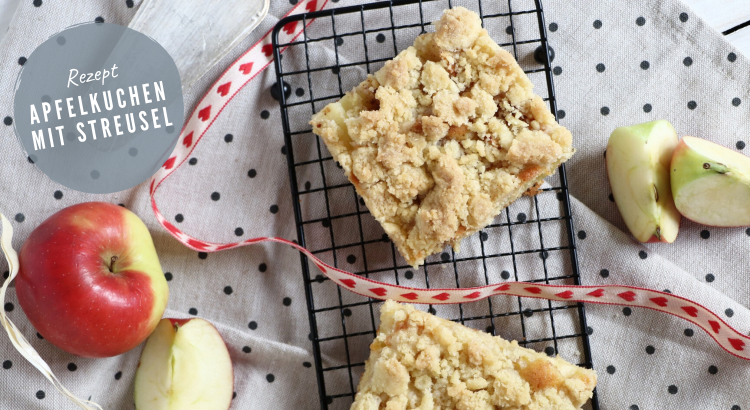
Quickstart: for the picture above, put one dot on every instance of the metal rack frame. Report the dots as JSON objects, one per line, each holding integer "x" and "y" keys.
{"x": 449, "y": 259}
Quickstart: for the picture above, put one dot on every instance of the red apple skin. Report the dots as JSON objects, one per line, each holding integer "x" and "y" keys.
{"x": 655, "y": 239}
{"x": 179, "y": 322}
{"x": 67, "y": 291}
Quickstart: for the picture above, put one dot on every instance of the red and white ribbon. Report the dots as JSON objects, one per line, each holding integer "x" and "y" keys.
{"x": 255, "y": 60}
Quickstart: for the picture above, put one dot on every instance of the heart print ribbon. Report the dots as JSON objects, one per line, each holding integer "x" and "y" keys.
{"x": 255, "y": 60}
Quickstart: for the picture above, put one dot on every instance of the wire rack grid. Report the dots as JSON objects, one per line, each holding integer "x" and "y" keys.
{"x": 532, "y": 240}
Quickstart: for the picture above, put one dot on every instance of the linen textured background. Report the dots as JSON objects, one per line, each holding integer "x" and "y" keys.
{"x": 616, "y": 63}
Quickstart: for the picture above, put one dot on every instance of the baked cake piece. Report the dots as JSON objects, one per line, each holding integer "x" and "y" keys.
{"x": 443, "y": 137}
{"x": 419, "y": 361}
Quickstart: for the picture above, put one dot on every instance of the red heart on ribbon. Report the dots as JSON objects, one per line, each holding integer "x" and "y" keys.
{"x": 267, "y": 50}
{"x": 290, "y": 27}
{"x": 223, "y": 89}
{"x": 205, "y": 113}
{"x": 311, "y": 6}
{"x": 168, "y": 164}
{"x": 629, "y": 296}
{"x": 714, "y": 326}
{"x": 660, "y": 301}
{"x": 170, "y": 227}
{"x": 472, "y": 295}
{"x": 597, "y": 293}
{"x": 246, "y": 68}
{"x": 379, "y": 291}
{"x": 410, "y": 296}
{"x": 197, "y": 244}
{"x": 690, "y": 310}
{"x": 188, "y": 140}
{"x": 442, "y": 297}
{"x": 737, "y": 344}
{"x": 349, "y": 282}
{"x": 533, "y": 289}
{"x": 565, "y": 295}
{"x": 502, "y": 288}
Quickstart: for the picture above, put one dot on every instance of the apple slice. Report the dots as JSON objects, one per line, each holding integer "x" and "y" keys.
{"x": 711, "y": 183}
{"x": 185, "y": 365}
{"x": 638, "y": 160}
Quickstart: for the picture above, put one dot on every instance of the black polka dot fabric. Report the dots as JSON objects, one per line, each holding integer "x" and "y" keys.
{"x": 255, "y": 295}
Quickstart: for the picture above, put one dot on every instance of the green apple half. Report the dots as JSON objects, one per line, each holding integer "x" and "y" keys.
{"x": 638, "y": 159}
{"x": 711, "y": 183}
{"x": 185, "y": 365}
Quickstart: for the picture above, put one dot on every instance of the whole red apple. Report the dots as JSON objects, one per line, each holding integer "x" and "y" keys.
{"x": 90, "y": 280}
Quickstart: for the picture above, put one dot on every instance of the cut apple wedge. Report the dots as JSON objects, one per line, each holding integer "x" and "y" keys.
{"x": 185, "y": 365}
{"x": 638, "y": 159}
{"x": 711, "y": 183}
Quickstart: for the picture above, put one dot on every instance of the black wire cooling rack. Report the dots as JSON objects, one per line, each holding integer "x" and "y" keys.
{"x": 532, "y": 240}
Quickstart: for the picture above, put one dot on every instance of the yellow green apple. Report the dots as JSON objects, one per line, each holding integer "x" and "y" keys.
{"x": 711, "y": 183}
{"x": 90, "y": 281}
{"x": 638, "y": 159}
{"x": 185, "y": 365}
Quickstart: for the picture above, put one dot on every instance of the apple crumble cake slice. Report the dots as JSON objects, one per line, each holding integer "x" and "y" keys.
{"x": 443, "y": 137}
{"x": 419, "y": 361}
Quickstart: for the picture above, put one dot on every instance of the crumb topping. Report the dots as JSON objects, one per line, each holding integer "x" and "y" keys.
{"x": 419, "y": 361}
{"x": 443, "y": 137}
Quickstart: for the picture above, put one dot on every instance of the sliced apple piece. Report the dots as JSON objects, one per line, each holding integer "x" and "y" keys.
{"x": 185, "y": 365}
{"x": 711, "y": 183}
{"x": 638, "y": 159}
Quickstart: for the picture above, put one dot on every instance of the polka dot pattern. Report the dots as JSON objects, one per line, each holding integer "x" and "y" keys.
{"x": 258, "y": 174}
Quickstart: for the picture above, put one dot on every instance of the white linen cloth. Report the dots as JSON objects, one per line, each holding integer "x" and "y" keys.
{"x": 616, "y": 63}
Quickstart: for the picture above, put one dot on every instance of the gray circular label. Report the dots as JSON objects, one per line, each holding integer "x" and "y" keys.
{"x": 98, "y": 107}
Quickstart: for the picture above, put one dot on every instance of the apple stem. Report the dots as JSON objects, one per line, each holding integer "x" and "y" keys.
{"x": 719, "y": 168}
{"x": 112, "y": 263}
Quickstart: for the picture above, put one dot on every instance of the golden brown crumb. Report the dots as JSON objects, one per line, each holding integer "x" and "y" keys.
{"x": 419, "y": 361}
{"x": 534, "y": 190}
{"x": 443, "y": 137}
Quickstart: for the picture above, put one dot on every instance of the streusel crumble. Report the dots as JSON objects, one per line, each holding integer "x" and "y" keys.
{"x": 443, "y": 137}
{"x": 419, "y": 361}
